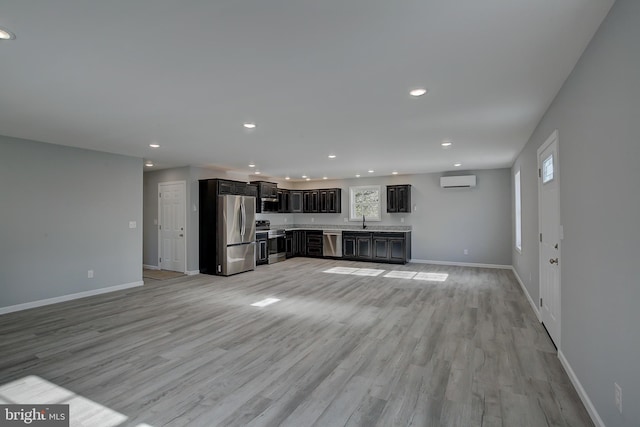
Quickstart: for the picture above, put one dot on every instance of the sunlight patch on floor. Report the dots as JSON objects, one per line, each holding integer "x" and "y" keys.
{"x": 33, "y": 390}
{"x": 431, "y": 277}
{"x": 400, "y": 274}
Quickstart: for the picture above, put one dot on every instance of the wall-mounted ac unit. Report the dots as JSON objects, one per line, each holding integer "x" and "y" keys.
{"x": 461, "y": 181}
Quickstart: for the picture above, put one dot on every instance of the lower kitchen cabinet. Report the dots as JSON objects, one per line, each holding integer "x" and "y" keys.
{"x": 389, "y": 247}
{"x": 299, "y": 243}
{"x": 262, "y": 248}
{"x": 377, "y": 246}
{"x": 356, "y": 246}
{"x": 313, "y": 240}
{"x": 288, "y": 240}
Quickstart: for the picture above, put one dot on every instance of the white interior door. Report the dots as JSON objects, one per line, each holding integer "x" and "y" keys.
{"x": 549, "y": 225}
{"x": 171, "y": 226}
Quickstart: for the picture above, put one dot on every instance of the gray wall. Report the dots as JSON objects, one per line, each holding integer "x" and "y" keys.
{"x": 597, "y": 114}
{"x": 65, "y": 211}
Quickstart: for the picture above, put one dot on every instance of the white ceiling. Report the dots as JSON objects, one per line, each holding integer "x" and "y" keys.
{"x": 318, "y": 77}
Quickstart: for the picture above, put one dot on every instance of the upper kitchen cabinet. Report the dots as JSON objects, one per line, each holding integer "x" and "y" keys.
{"x": 330, "y": 200}
{"x": 266, "y": 190}
{"x": 324, "y": 200}
{"x": 296, "y": 202}
{"x": 399, "y": 198}
{"x": 284, "y": 203}
{"x": 222, "y": 186}
{"x": 310, "y": 200}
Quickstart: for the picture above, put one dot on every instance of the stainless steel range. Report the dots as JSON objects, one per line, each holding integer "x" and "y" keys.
{"x": 276, "y": 243}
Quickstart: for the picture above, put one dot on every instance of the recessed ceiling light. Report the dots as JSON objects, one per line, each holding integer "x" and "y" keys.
{"x": 257, "y": 172}
{"x": 457, "y": 164}
{"x": 418, "y": 91}
{"x": 394, "y": 173}
{"x": 304, "y": 176}
{"x": 249, "y": 125}
{"x": 154, "y": 145}
{"x": 252, "y": 165}
{"x": 371, "y": 171}
{"x": 332, "y": 156}
{"x": 148, "y": 164}
{"x": 287, "y": 178}
{"x": 308, "y": 179}
{"x": 6, "y": 34}
{"x": 446, "y": 144}
{"x": 324, "y": 177}
{"x": 358, "y": 176}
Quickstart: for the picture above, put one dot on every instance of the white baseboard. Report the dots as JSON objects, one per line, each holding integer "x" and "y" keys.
{"x": 461, "y": 264}
{"x": 595, "y": 417}
{"x": 192, "y": 272}
{"x": 150, "y": 267}
{"x": 63, "y": 298}
{"x": 535, "y": 308}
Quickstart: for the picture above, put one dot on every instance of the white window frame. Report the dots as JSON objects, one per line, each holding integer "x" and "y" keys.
{"x": 517, "y": 186}
{"x": 352, "y": 202}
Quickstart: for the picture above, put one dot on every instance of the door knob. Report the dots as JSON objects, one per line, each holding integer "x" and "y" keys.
{"x": 182, "y": 235}
{"x": 553, "y": 261}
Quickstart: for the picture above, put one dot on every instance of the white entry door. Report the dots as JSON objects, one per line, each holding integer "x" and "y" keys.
{"x": 549, "y": 226}
{"x": 171, "y": 226}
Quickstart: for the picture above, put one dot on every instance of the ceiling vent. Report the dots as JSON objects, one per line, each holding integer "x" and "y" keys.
{"x": 462, "y": 181}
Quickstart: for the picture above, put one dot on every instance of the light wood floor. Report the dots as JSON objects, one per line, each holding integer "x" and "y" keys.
{"x": 338, "y": 349}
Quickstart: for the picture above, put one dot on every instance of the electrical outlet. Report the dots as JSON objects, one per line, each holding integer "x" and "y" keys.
{"x": 618, "y": 396}
{"x": 132, "y": 224}
{"x": 466, "y": 251}
{"x": 402, "y": 219}
{"x": 346, "y": 219}
{"x": 313, "y": 219}
{"x": 90, "y": 274}
{"x": 285, "y": 220}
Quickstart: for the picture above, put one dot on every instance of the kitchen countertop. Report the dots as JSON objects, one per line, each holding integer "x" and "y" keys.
{"x": 333, "y": 227}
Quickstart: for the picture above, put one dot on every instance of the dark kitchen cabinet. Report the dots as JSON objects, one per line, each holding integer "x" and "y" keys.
{"x": 262, "y": 248}
{"x": 298, "y": 243}
{"x": 284, "y": 204}
{"x": 330, "y": 200}
{"x": 390, "y": 247}
{"x": 223, "y": 186}
{"x": 313, "y": 243}
{"x": 266, "y": 190}
{"x": 399, "y": 198}
{"x": 310, "y": 201}
{"x": 348, "y": 246}
{"x": 296, "y": 201}
{"x": 377, "y": 246}
{"x": 363, "y": 247}
{"x": 288, "y": 241}
{"x": 356, "y": 246}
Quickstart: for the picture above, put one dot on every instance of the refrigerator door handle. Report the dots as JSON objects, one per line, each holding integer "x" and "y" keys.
{"x": 243, "y": 214}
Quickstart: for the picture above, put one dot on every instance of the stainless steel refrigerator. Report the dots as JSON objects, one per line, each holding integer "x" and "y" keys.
{"x": 236, "y": 234}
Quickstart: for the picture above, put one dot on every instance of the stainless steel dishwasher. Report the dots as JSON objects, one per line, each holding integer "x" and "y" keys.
{"x": 332, "y": 243}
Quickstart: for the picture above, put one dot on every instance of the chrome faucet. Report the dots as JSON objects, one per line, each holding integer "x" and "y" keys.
{"x": 363, "y": 225}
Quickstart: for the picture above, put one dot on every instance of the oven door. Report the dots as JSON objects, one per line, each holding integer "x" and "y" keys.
{"x": 277, "y": 248}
